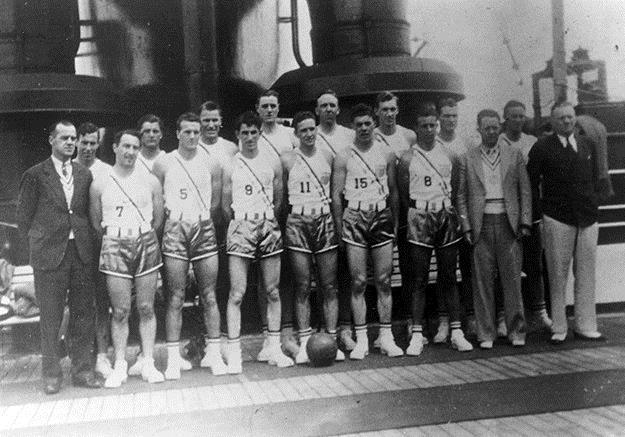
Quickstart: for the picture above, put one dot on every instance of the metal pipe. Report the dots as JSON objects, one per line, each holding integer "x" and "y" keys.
{"x": 559, "y": 53}
{"x": 192, "y": 51}
{"x": 295, "y": 35}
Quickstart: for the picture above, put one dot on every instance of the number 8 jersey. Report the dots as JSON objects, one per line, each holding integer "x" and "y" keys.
{"x": 430, "y": 175}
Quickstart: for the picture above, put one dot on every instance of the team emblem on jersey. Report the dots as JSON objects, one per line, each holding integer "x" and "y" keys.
{"x": 380, "y": 170}
{"x": 325, "y": 179}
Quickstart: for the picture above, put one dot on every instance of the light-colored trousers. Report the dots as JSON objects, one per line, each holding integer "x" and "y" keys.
{"x": 565, "y": 243}
{"x": 497, "y": 254}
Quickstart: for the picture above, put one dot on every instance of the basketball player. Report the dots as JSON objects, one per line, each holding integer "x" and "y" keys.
{"x": 126, "y": 209}
{"x": 191, "y": 182}
{"x": 365, "y": 176}
{"x": 151, "y": 130}
{"x": 310, "y": 230}
{"x": 275, "y": 140}
{"x": 424, "y": 176}
{"x": 335, "y": 138}
{"x": 252, "y": 197}
{"x": 87, "y": 146}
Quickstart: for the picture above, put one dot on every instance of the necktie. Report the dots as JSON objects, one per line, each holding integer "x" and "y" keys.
{"x": 64, "y": 169}
{"x": 569, "y": 146}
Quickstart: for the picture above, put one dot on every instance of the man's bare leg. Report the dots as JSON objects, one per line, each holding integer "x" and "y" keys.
{"x": 176, "y": 281}
{"x": 382, "y": 259}
{"x": 119, "y": 294}
{"x": 327, "y": 263}
{"x": 206, "y": 270}
{"x": 270, "y": 270}
{"x": 239, "y": 268}
{"x": 146, "y": 289}
{"x": 357, "y": 261}
{"x": 301, "y": 265}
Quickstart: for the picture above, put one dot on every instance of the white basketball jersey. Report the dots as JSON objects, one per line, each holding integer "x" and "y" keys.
{"x": 430, "y": 175}
{"x": 187, "y": 185}
{"x": 524, "y": 144}
{"x": 276, "y": 143}
{"x": 252, "y": 185}
{"x": 126, "y": 201}
{"x": 456, "y": 147}
{"x": 99, "y": 169}
{"x": 366, "y": 178}
{"x": 396, "y": 142}
{"x": 218, "y": 151}
{"x": 309, "y": 180}
{"x": 145, "y": 165}
{"x": 336, "y": 142}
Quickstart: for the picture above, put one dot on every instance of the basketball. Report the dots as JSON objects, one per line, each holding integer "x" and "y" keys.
{"x": 321, "y": 349}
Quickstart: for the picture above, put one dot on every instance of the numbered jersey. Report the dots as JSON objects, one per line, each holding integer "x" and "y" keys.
{"x": 309, "y": 180}
{"x": 187, "y": 185}
{"x": 366, "y": 179}
{"x": 126, "y": 201}
{"x": 430, "y": 175}
{"x": 252, "y": 185}
{"x": 338, "y": 141}
{"x": 397, "y": 142}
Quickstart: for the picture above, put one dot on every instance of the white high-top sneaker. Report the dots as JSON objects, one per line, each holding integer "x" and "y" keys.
{"x": 103, "y": 365}
{"x": 459, "y": 342}
{"x": 149, "y": 373}
{"x": 276, "y": 356}
{"x": 387, "y": 343}
{"x": 443, "y": 330}
{"x": 118, "y": 376}
{"x": 233, "y": 357}
{"x": 416, "y": 345}
{"x": 212, "y": 358}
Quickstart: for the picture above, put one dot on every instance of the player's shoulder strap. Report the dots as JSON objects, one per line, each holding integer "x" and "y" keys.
{"x": 132, "y": 202}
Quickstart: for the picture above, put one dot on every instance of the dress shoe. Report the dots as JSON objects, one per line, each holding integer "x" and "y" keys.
{"x": 593, "y": 336}
{"x": 86, "y": 379}
{"x": 51, "y": 385}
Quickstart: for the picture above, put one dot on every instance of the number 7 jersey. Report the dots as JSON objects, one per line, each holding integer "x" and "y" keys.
{"x": 117, "y": 208}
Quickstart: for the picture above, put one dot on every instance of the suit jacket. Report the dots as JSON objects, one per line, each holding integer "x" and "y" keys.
{"x": 471, "y": 197}
{"x": 44, "y": 218}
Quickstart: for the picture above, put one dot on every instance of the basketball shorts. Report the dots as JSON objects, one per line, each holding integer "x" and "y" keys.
{"x": 433, "y": 229}
{"x": 311, "y": 234}
{"x": 254, "y": 239}
{"x": 189, "y": 241}
{"x": 130, "y": 256}
{"x": 368, "y": 228}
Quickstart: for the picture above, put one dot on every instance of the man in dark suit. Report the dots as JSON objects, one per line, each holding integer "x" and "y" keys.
{"x": 52, "y": 212}
{"x": 495, "y": 205}
{"x": 564, "y": 174}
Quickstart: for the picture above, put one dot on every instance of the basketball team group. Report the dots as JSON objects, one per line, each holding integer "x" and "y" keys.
{"x": 318, "y": 204}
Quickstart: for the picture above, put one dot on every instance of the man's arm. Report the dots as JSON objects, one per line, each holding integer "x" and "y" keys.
{"x": 461, "y": 199}
{"x": 403, "y": 179}
{"x": 27, "y": 201}
{"x": 277, "y": 189}
{"x": 226, "y": 193}
{"x": 534, "y": 172}
{"x": 339, "y": 172}
{"x": 216, "y": 179}
{"x": 525, "y": 196}
{"x": 159, "y": 170}
{"x": 95, "y": 207}
{"x": 393, "y": 196}
{"x": 158, "y": 205}
{"x": 287, "y": 162}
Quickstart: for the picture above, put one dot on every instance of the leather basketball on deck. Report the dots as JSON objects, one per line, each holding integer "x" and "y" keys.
{"x": 321, "y": 349}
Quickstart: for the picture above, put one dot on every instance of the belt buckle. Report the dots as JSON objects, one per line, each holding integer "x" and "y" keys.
{"x": 256, "y": 216}
{"x": 313, "y": 211}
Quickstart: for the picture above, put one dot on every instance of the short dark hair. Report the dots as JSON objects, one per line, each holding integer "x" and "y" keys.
{"x": 426, "y": 109}
{"x": 210, "y": 105}
{"x": 561, "y": 104}
{"x": 385, "y": 96}
{"x": 361, "y": 110}
{"x": 52, "y": 127}
{"x": 88, "y": 128}
{"x": 301, "y": 116}
{"x": 269, "y": 93}
{"x": 150, "y": 118}
{"x": 187, "y": 116}
{"x": 447, "y": 101}
{"x": 118, "y": 136}
{"x": 249, "y": 118}
{"x": 327, "y": 91}
{"x": 512, "y": 104}
{"x": 487, "y": 113}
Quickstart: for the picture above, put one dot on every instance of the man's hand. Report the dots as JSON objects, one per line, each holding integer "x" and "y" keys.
{"x": 468, "y": 237}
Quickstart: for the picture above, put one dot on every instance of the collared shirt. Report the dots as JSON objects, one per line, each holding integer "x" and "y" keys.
{"x": 67, "y": 182}
{"x": 571, "y": 140}
{"x": 491, "y": 165}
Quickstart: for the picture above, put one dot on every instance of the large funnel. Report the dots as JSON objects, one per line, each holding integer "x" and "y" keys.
{"x": 360, "y": 48}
